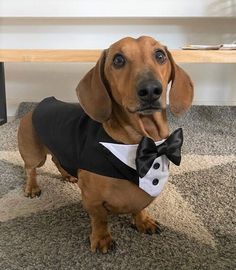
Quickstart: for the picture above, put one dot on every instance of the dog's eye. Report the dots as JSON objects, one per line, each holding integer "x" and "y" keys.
{"x": 118, "y": 61}
{"x": 160, "y": 56}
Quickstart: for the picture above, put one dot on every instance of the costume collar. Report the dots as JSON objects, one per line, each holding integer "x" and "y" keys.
{"x": 150, "y": 159}
{"x": 125, "y": 152}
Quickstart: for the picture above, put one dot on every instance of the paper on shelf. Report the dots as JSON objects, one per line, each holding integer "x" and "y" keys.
{"x": 201, "y": 47}
{"x": 230, "y": 46}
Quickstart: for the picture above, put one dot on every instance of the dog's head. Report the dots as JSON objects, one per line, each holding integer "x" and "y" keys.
{"x": 135, "y": 74}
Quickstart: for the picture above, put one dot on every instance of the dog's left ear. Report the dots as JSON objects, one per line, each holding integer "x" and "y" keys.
{"x": 181, "y": 92}
{"x": 92, "y": 92}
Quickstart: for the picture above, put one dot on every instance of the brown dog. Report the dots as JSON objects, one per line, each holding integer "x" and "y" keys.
{"x": 126, "y": 92}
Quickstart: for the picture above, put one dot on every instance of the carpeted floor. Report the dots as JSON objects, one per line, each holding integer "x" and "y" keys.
{"x": 196, "y": 210}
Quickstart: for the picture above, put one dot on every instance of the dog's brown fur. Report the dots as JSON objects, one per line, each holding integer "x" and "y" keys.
{"x": 109, "y": 95}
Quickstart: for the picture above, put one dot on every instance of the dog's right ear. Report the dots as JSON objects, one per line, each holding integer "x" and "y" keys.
{"x": 93, "y": 93}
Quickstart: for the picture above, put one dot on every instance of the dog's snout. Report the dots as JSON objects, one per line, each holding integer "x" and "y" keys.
{"x": 150, "y": 91}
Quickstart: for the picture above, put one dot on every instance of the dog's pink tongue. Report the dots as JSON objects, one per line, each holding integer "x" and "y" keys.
{"x": 154, "y": 126}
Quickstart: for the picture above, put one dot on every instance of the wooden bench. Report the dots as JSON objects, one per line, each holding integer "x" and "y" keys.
{"x": 46, "y": 56}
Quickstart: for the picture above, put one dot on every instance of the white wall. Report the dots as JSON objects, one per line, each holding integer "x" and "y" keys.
{"x": 65, "y": 24}
{"x": 117, "y": 8}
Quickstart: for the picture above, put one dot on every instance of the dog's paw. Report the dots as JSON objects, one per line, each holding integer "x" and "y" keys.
{"x": 71, "y": 179}
{"x": 32, "y": 192}
{"x": 103, "y": 243}
{"x": 147, "y": 225}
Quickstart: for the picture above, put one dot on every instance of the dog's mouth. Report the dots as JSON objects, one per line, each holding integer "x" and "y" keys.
{"x": 149, "y": 110}
{"x": 146, "y": 110}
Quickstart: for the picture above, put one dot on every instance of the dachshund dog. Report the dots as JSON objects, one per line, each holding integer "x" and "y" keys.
{"x": 124, "y": 97}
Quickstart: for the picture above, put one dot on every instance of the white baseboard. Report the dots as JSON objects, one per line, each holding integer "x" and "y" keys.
{"x": 214, "y": 102}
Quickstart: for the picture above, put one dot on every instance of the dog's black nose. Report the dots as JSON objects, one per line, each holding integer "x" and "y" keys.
{"x": 150, "y": 91}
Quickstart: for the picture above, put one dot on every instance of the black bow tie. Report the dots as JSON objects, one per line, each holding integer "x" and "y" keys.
{"x": 147, "y": 151}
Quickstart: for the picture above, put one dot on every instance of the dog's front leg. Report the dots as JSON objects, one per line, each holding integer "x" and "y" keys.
{"x": 93, "y": 187}
{"x": 100, "y": 237}
{"x": 144, "y": 223}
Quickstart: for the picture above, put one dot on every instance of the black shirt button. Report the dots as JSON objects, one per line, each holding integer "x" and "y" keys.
{"x": 156, "y": 165}
{"x": 155, "y": 181}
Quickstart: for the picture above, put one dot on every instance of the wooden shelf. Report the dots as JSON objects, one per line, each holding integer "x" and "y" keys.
{"x": 204, "y": 56}
{"x": 50, "y": 56}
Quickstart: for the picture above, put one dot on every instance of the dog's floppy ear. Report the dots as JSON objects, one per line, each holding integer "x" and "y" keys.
{"x": 92, "y": 92}
{"x": 181, "y": 91}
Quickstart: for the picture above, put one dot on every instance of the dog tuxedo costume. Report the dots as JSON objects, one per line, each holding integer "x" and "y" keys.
{"x": 78, "y": 142}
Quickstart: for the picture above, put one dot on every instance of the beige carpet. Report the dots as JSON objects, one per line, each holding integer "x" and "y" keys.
{"x": 196, "y": 210}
